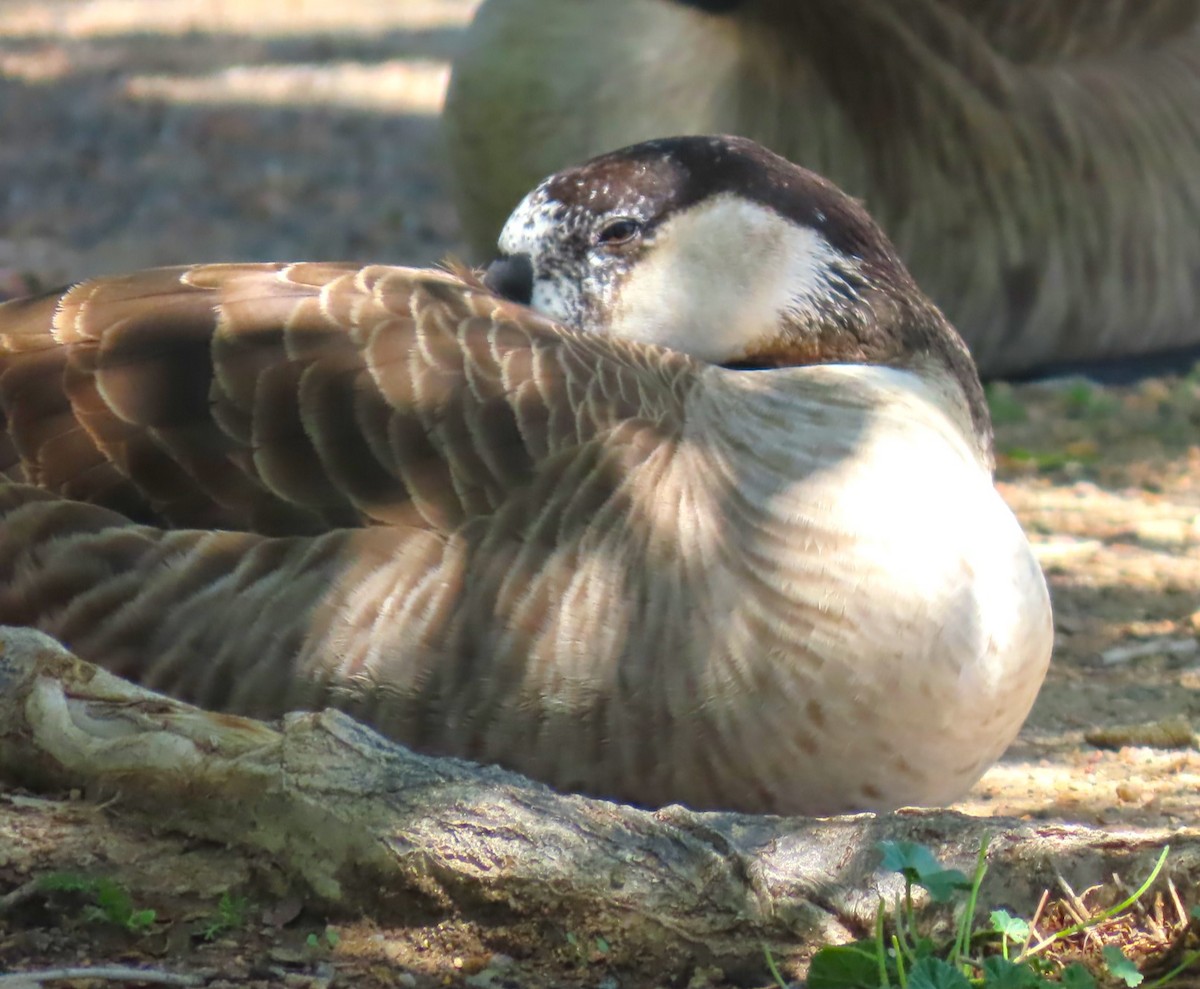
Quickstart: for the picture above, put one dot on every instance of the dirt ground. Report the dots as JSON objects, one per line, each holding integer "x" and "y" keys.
{"x": 143, "y": 132}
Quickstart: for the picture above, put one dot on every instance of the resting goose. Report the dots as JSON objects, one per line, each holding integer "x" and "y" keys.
{"x": 1036, "y": 162}
{"x": 731, "y": 540}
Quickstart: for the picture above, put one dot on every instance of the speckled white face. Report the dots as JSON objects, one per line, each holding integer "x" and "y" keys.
{"x": 715, "y": 280}
{"x": 557, "y": 240}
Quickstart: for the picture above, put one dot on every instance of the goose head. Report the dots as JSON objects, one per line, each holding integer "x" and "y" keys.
{"x": 721, "y": 249}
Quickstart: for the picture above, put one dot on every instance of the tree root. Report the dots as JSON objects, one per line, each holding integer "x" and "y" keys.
{"x": 361, "y": 824}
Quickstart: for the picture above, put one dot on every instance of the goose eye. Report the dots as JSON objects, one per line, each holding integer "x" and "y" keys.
{"x": 619, "y": 232}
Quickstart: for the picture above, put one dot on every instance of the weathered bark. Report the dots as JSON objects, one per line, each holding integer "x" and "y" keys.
{"x": 361, "y": 823}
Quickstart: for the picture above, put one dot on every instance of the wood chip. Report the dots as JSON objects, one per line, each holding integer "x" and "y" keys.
{"x": 1155, "y": 647}
{"x": 1170, "y": 733}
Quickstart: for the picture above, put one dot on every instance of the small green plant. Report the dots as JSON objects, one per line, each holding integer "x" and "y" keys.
{"x": 326, "y": 941}
{"x": 588, "y": 952}
{"x": 1006, "y": 408}
{"x": 1001, "y": 955}
{"x": 230, "y": 915}
{"x": 1050, "y": 460}
{"x": 1083, "y": 400}
{"x": 111, "y": 902}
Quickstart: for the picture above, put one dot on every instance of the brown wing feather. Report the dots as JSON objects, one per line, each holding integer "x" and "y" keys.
{"x": 294, "y": 398}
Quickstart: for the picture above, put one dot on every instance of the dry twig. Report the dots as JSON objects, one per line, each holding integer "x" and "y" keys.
{"x": 15, "y": 897}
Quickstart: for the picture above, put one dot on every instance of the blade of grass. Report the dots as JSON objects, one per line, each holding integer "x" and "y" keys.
{"x": 899, "y": 963}
{"x": 962, "y": 942}
{"x": 773, "y": 968}
{"x": 901, "y": 935}
{"x": 1183, "y": 966}
{"x": 880, "y": 949}
{"x": 1104, "y": 914}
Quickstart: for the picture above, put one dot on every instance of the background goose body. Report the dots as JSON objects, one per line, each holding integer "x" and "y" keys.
{"x": 1034, "y": 161}
{"x": 614, "y": 567}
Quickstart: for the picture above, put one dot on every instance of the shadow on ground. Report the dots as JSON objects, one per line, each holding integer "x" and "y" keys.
{"x": 101, "y": 172}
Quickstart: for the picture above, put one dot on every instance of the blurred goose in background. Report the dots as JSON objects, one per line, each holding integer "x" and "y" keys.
{"x": 1036, "y": 162}
{"x": 715, "y": 524}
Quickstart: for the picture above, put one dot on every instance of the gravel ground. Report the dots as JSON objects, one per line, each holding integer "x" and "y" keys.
{"x": 151, "y": 132}
{"x": 144, "y": 132}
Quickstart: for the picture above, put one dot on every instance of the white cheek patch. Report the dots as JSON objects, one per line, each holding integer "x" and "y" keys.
{"x": 558, "y": 299}
{"x": 720, "y": 277}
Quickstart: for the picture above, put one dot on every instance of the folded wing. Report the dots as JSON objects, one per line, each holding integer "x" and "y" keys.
{"x": 289, "y": 399}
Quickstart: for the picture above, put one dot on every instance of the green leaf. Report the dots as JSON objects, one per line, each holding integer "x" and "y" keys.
{"x": 1194, "y": 913}
{"x": 936, "y": 973}
{"x": 909, "y": 857}
{"x": 1013, "y": 928}
{"x": 232, "y": 908}
{"x": 67, "y": 882}
{"x": 231, "y": 914}
{"x": 114, "y": 901}
{"x": 1000, "y": 973}
{"x": 111, "y": 901}
{"x": 919, "y": 865}
{"x": 845, "y": 966}
{"x": 140, "y": 919}
{"x": 602, "y": 945}
{"x": 1075, "y": 976}
{"x": 1122, "y": 967}
{"x": 923, "y": 946}
{"x": 943, "y": 885}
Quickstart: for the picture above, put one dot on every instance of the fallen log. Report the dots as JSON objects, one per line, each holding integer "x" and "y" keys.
{"x": 361, "y": 824}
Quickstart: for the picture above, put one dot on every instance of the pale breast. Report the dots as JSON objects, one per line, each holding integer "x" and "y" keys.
{"x": 875, "y": 625}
